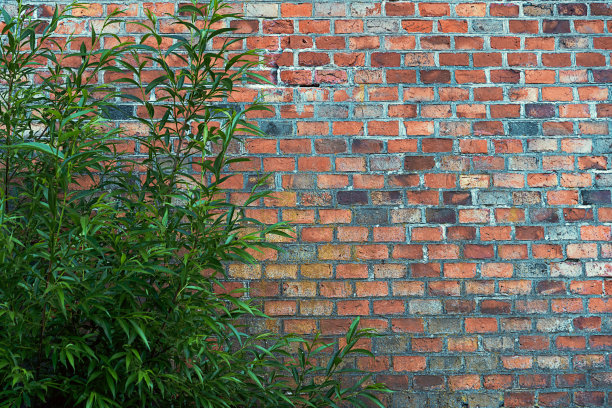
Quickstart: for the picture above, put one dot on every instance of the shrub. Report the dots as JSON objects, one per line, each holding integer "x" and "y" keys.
{"x": 112, "y": 263}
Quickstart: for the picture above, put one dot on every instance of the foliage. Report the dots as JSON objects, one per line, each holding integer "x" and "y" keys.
{"x": 112, "y": 263}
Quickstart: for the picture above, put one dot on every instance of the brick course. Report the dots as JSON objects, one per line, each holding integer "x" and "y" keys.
{"x": 447, "y": 167}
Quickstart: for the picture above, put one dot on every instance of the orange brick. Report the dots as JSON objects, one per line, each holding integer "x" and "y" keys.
{"x": 409, "y": 363}
{"x": 480, "y": 325}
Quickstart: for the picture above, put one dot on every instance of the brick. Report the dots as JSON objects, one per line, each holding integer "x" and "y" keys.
{"x": 480, "y": 325}
{"x": 519, "y": 399}
{"x": 434, "y": 9}
{"x": 428, "y": 382}
{"x": 554, "y": 399}
{"x": 533, "y": 343}
{"x": 296, "y": 10}
{"x": 435, "y": 76}
{"x": 471, "y": 9}
{"x": 409, "y": 363}
{"x": 464, "y": 382}
{"x": 589, "y": 398}
{"x": 365, "y": 9}
{"x": 400, "y": 9}
{"x": 462, "y": 344}
{"x": 353, "y": 307}
{"x": 496, "y": 382}
{"x": 280, "y": 308}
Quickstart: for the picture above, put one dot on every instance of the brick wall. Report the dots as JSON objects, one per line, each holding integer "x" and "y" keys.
{"x": 448, "y": 170}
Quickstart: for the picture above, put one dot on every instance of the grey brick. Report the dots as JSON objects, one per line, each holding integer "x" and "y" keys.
{"x": 562, "y": 232}
{"x": 297, "y": 253}
{"x": 382, "y": 26}
{"x": 494, "y": 198}
{"x": 522, "y": 163}
{"x": 444, "y": 363}
{"x": 277, "y": 128}
{"x": 425, "y": 307}
{"x": 498, "y": 343}
{"x": 554, "y": 324}
{"x": 332, "y": 111}
{"x": 488, "y": 400}
{"x": 531, "y": 270}
{"x": 602, "y": 146}
{"x": 391, "y": 344}
{"x": 481, "y": 363}
{"x": 371, "y": 216}
{"x": 368, "y": 111}
{"x": 409, "y": 400}
{"x": 487, "y": 26}
{"x": 603, "y": 180}
{"x": 524, "y": 128}
{"x": 444, "y": 325}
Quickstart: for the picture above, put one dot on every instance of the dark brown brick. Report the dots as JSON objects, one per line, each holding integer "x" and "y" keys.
{"x": 352, "y": 197}
{"x": 572, "y": 9}
{"x": 457, "y": 198}
{"x": 435, "y": 77}
{"x": 495, "y": 307}
{"x": 428, "y": 382}
{"x": 366, "y": 146}
{"x": 556, "y": 26}
{"x": 441, "y": 215}
{"x": 419, "y": 162}
{"x": 601, "y": 9}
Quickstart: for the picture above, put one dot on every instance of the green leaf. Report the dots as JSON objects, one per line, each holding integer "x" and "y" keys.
{"x": 36, "y": 146}
{"x": 140, "y": 332}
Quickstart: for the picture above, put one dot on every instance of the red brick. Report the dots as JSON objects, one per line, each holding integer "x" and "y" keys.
{"x": 314, "y": 26}
{"x": 400, "y": 9}
{"x": 296, "y": 10}
{"x": 409, "y": 363}
{"x": 434, "y": 9}
{"x": 353, "y": 307}
{"x": 519, "y": 399}
{"x": 497, "y": 381}
{"x": 462, "y": 344}
{"x": 460, "y": 270}
{"x": 480, "y": 325}
{"x": 366, "y": 42}
{"x": 533, "y": 343}
{"x": 471, "y": 9}
{"x": 504, "y": 10}
{"x": 554, "y": 399}
{"x": 464, "y": 382}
